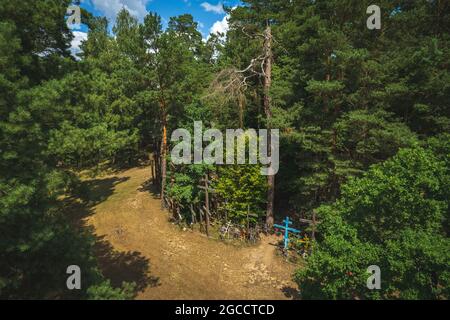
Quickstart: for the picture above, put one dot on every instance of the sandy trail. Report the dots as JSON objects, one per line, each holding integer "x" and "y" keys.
{"x": 137, "y": 243}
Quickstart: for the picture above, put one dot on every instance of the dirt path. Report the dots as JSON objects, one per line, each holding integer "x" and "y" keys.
{"x": 168, "y": 263}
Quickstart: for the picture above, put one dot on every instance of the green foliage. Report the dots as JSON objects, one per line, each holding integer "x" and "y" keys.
{"x": 51, "y": 116}
{"x": 345, "y": 97}
{"x": 184, "y": 183}
{"x": 364, "y": 138}
{"x": 393, "y": 217}
{"x": 76, "y": 147}
{"x": 104, "y": 291}
{"x": 243, "y": 190}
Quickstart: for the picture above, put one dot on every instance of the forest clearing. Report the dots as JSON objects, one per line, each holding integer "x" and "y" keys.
{"x": 169, "y": 263}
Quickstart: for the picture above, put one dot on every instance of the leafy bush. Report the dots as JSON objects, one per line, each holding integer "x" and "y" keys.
{"x": 105, "y": 291}
{"x": 393, "y": 217}
{"x": 242, "y": 187}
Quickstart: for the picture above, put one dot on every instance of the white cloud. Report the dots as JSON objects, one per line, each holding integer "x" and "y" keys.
{"x": 218, "y": 8}
{"x": 110, "y": 8}
{"x": 220, "y": 26}
{"x": 76, "y": 42}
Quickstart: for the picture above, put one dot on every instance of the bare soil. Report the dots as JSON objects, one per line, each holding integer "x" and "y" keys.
{"x": 136, "y": 242}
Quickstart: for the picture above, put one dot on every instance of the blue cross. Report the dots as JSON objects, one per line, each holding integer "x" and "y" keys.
{"x": 286, "y": 228}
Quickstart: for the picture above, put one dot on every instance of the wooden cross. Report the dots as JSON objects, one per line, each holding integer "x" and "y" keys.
{"x": 206, "y": 188}
{"x": 312, "y": 223}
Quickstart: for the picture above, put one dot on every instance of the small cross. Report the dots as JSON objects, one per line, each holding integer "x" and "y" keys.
{"x": 287, "y": 229}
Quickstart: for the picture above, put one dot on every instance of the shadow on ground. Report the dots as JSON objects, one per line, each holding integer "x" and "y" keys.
{"x": 88, "y": 194}
{"x": 99, "y": 190}
{"x": 122, "y": 267}
{"x": 116, "y": 266}
{"x": 151, "y": 188}
{"x": 291, "y": 293}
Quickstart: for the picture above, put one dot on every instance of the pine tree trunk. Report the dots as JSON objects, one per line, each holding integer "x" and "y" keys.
{"x": 163, "y": 154}
{"x": 268, "y": 111}
{"x": 157, "y": 160}
{"x": 241, "y": 110}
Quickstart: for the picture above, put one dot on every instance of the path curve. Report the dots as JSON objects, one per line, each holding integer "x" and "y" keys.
{"x": 182, "y": 264}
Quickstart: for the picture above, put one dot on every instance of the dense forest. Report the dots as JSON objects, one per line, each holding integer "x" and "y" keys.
{"x": 364, "y": 120}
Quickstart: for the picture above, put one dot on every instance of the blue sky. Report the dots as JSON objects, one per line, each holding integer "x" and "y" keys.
{"x": 208, "y": 14}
